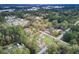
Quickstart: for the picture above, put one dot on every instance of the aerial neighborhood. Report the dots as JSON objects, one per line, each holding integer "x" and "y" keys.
{"x": 39, "y": 29}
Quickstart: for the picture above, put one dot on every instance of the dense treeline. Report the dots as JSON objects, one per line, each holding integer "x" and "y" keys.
{"x": 73, "y": 35}
{"x": 11, "y": 35}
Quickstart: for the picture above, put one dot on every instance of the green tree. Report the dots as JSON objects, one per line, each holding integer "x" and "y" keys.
{"x": 53, "y": 48}
{"x": 69, "y": 36}
{"x": 1, "y": 49}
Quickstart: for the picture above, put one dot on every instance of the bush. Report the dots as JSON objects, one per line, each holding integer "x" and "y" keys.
{"x": 1, "y": 50}
{"x": 20, "y": 51}
{"x": 53, "y": 49}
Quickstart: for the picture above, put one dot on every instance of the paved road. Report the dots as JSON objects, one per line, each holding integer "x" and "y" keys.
{"x": 76, "y": 22}
{"x": 60, "y": 36}
{"x": 43, "y": 50}
{"x": 44, "y": 33}
{"x": 53, "y": 37}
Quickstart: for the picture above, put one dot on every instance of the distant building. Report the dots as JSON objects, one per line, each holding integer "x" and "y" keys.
{"x": 52, "y": 7}
{"x": 33, "y": 9}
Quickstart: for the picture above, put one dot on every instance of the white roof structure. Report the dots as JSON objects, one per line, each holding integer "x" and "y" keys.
{"x": 12, "y": 20}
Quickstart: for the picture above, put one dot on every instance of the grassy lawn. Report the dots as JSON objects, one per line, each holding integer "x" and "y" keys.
{"x": 48, "y": 40}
